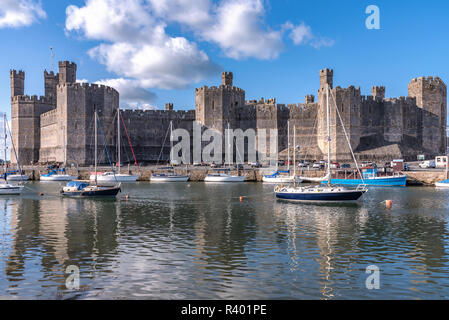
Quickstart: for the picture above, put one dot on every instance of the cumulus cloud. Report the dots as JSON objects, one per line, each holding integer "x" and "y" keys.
{"x": 135, "y": 43}
{"x": 18, "y": 13}
{"x": 132, "y": 94}
{"x": 303, "y": 35}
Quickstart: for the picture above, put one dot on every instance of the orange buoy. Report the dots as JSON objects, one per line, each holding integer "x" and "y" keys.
{"x": 389, "y": 203}
{"x": 241, "y": 199}
{"x": 41, "y": 194}
{"x": 127, "y": 196}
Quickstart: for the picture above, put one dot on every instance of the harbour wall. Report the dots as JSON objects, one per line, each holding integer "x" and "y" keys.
{"x": 197, "y": 174}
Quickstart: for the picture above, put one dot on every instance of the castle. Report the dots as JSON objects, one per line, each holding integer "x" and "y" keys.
{"x": 59, "y": 126}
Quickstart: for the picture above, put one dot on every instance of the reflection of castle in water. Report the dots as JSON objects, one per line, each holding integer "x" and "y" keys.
{"x": 49, "y": 235}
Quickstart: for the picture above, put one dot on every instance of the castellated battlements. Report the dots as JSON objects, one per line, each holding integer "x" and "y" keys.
{"x": 50, "y": 74}
{"x": 18, "y": 74}
{"x": 29, "y": 99}
{"x": 86, "y": 86}
{"x": 219, "y": 89}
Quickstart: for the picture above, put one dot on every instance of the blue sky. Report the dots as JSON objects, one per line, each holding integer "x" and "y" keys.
{"x": 158, "y": 51}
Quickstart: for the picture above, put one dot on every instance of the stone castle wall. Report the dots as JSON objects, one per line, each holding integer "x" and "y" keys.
{"x": 60, "y": 127}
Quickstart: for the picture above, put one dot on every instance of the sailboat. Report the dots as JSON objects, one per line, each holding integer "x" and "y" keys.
{"x": 59, "y": 174}
{"x": 110, "y": 178}
{"x": 83, "y": 188}
{"x": 284, "y": 176}
{"x": 326, "y": 193}
{"x": 169, "y": 176}
{"x": 5, "y": 187}
{"x": 224, "y": 175}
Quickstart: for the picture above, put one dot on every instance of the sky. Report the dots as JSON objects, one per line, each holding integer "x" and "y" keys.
{"x": 158, "y": 51}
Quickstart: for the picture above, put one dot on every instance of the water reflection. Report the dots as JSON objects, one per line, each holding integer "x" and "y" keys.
{"x": 200, "y": 241}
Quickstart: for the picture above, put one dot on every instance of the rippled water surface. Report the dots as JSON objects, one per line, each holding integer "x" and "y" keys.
{"x": 198, "y": 241}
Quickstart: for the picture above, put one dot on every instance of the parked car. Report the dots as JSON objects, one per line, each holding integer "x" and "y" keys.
{"x": 335, "y": 165}
{"x": 406, "y": 167}
{"x": 281, "y": 163}
{"x": 197, "y": 164}
{"x": 427, "y": 164}
{"x": 345, "y": 166}
{"x": 302, "y": 165}
{"x": 318, "y": 165}
{"x": 215, "y": 165}
{"x": 255, "y": 165}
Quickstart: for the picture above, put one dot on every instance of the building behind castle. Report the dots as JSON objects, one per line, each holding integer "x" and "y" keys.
{"x": 58, "y": 127}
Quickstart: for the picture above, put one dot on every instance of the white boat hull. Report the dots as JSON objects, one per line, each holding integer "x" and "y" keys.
{"x": 7, "y": 189}
{"x": 18, "y": 177}
{"x": 58, "y": 177}
{"x": 286, "y": 179}
{"x": 170, "y": 179}
{"x": 114, "y": 179}
{"x": 224, "y": 178}
{"x": 442, "y": 185}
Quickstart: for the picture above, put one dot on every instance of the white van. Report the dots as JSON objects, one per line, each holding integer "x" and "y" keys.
{"x": 441, "y": 161}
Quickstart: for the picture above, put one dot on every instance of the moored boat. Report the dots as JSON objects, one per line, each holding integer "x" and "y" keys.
{"x": 57, "y": 175}
{"x": 281, "y": 177}
{"x": 371, "y": 178}
{"x": 84, "y": 189}
{"x": 327, "y": 193}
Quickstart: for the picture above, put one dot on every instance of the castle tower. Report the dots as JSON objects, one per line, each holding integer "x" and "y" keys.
{"x": 431, "y": 97}
{"x": 216, "y": 106}
{"x": 326, "y": 77}
{"x": 310, "y": 98}
{"x": 50, "y": 81}
{"x": 67, "y": 72}
{"x": 227, "y": 78}
{"x": 169, "y": 107}
{"x": 378, "y": 92}
{"x": 17, "y": 83}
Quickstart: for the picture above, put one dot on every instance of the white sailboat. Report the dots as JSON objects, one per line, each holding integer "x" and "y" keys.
{"x": 284, "y": 176}
{"x": 169, "y": 176}
{"x": 224, "y": 175}
{"x": 444, "y": 183}
{"x": 59, "y": 174}
{"x": 111, "y": 178}
{"x": 326, "y": 193}
{"x": 5, "y": 187}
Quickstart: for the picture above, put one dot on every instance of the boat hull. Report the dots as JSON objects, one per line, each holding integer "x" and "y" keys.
{"x": 58, "y": 177}
{"x": 398, "y": 181}
{"x": 442, "y": 185}
{"x": 111, "y": 180}
{"x": 346, "y": 196}
{"x": 291, "y": 179}
{"x": 107, "y": 192}
{"x": 11, "y": 190}
{"x": 17, "y": 177}
{"x": 225, "y": 179}
{"x": 170, "y": 178}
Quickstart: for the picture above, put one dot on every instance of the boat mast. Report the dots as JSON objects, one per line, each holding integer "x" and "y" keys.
{"x": 4, "y": 136}
{"x": 288, "y": 145}
{"x": 294, "y": 153}
{"x": 328, "y": 136}
{"x": 95, "y": 116}
{"x": 118, "y": 138}
{"x": 171, "y": 142}
{"x": 229, "y": 147}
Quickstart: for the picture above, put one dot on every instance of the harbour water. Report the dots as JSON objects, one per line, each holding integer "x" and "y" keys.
{"x": 199, "y": 241}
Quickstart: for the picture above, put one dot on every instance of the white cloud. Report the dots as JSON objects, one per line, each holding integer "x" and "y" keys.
{"x": 132, "y": 94}
{"x": 137, "y": 45}
{"x": 239, "y": 29}
{"x": 18, "y": 13}
{"x": 303, "y": 35}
